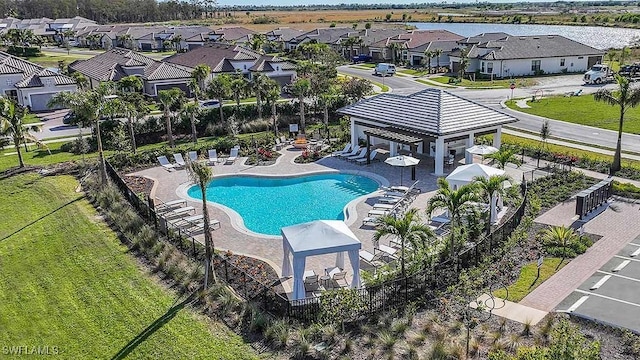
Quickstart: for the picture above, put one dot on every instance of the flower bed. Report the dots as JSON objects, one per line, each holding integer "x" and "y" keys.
{"x": 262, "y": 157}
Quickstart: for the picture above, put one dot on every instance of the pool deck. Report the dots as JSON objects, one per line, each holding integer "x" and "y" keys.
{"x": 172, "y": 185}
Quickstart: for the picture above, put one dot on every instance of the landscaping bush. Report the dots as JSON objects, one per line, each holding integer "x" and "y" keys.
{"x": 626, "y": 190}
{"x": 24, "y": 51}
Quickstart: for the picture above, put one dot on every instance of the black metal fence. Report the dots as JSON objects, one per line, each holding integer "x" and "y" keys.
{"x": 389, "y": 295}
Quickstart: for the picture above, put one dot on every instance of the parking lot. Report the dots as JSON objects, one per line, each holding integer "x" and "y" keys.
{"x": 612, "y": 294}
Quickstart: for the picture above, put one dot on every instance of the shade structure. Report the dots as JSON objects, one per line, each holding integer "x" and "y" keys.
{"x": 465, "y": 174}
{"x": 402, "y": 161}
{"x": 482, "y": 150}
{"x": 317, "y": 238}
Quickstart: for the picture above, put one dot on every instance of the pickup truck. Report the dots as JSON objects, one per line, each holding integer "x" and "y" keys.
{"x": 361, "y": 58}
{"x": 598, "y": 74}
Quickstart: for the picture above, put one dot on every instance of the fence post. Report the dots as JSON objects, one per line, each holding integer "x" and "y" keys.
{"x": 226, "y": 270}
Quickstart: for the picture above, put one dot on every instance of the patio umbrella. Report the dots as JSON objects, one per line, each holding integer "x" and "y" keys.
{"x": 482, "y": 150}
{"x": 402, "y": 161}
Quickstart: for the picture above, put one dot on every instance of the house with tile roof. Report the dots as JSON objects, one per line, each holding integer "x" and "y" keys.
{"x": 329, "y": 36}
{"x": 117, "y": 63}
{"x": 408, "y": 42}
{"x": 232, "y": 34}
{"x": 365, "y": 37}
{"x": 528, "y": 55}
{"x": 233, "y": 59}
{"x": 433, "y": 122}
{"x": 31, "y": 85}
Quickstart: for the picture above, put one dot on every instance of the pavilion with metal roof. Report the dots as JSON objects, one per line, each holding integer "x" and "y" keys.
{"x": 434, "y": 122}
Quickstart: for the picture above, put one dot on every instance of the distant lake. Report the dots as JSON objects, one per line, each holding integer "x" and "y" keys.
{"x": 596, "y": 36}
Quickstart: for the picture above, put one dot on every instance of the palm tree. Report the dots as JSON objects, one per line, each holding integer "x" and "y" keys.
{"x": 201, "y": 174}
{"x": 625, "y": 97}
{"x": 504, "y": 156}
{"x": 191, "y": 110}
{"x": 560, "y": 236}
{"x": 455, "y": 201}
{"x": 176, "y": 41}
{"x": 126, "y": 41}
{"x": 238, "y": 88}
{"x": 464, "y": 63}
{"x": 219, "y": 88}
{"x": 327, "y": 99}
{"x": 11, "y": 118}
{"x": 259, "y": 87}
{"x": 257, "y": 42}
{"x": 611, "y": 56}
{"x": 428, "y": 54}
{"x": 301, "y": 88}
{"x": 200, "y": 74}
{"x": 271, "y": 96}
{"x": 545, "y": 132}
{"x": 168, "y": 98}
{"x": 491, "y": 188}
{"x": 129, "y": 83}
{"x": 437, "y": 53}
{"x": 81, "y": 81}
{"x": 624, "y": 53}
{"x": 406, "y": 229}
{"x": 93, "y": 40}
{"x": 395, "y": 48}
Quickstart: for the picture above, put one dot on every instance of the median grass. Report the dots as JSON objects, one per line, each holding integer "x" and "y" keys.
{"x": 484, "y": 83}
{"x": 583, "y": 110}
{"x": 51, "y": 59}
{"x": 67, "y": 281}
{"x": 413, "y": 72}
{"x": 39, "y": 157}
{"x": 527, "y": 281}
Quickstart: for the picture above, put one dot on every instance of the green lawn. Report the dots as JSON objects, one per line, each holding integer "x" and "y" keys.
{"x": 9, "y": 157}
{"x": 51, "y": 59}
{"x": 527, "y": 281}
{"x": 413, "y": 72}
{"x": 68, "y": 282}
{"x": 583, "y": 110}
{"x": 31, "y": 119}
{"x": 499, "y": 83}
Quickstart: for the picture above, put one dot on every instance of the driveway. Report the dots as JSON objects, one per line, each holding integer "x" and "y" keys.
{"x": 54, "y": 127}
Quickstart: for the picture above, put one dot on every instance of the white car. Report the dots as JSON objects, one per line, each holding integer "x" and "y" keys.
{"x": 209, "y": 104}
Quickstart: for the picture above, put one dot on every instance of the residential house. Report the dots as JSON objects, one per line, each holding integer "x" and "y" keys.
{"x": 280, "y": 36}
{"x": 407, "y": 43}
{"x": 117, "y": 63}
{"x": 365, "y": 38}
{"x": 234, "y": 59}
{"x": 329, "y": 36}
{"x": 37, "y": 26}
{"x": 60, "y": 26}
{"x": 31, "y": 85}
{"x": 417, "y": 55}
{"x": 528, "y": 55}
{"x": 236, "y": 34}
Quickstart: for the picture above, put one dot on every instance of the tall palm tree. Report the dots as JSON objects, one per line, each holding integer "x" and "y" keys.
{"x": 129, "y": 83}
{"x": 611, "y": 56}
{"x": 395, "y": 48}
{"x": 300, "y": 89}
{"x": 625, "y": 97}
{"x": 491, "y": 188}
{"x": 406, "y": 229}
{"x": 201, "y": 174}
{"x": 257, "y": 42}
{"x": 560, "y": 236}
{"x": 176, "y": 41}
{"x": 126, "y": 41}
{"x": 504, "y": 156}
{"x": 238, "y": 88}
{"x": 220, "y": 88}
{"x": 622, "y": 56}
{"x": 259, "y": 87}
{"x": 327, "y": 99}
{"x": 456, "y": 202}
{"x": 11, "y": 118}
{"x": 464, "y": 63}
{"x": 191, "y": 110}
{"x": 437, "y": 53}
{"x": 271, "y": 96}
{"x": 428, "y": 54}
{"x": 81, "y": 81}
{"x": 168, "y": 98}
{"x": 200, "y": 74}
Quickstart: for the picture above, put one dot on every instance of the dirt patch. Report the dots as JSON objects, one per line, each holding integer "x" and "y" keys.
{"x": 139, "y": 184}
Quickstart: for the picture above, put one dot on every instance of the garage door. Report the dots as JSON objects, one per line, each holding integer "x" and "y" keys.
{"x": 39, "y": 101}
{"x": 282, "y": 80}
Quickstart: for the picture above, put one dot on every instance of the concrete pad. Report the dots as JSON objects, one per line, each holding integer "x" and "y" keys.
{"x": 510, "y": 310}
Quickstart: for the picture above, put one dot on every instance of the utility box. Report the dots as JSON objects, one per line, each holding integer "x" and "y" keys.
{"x": 591, "y": 198}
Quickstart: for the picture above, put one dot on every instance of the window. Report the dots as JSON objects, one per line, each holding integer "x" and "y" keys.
{"x": 561, "y": 62}
{"x": 535, "y": 66}
{"x": 490, "y": 68}
{"x": 482, "y": 66}
{"x": 580, "y": 57}
{"x": 12, "y": 94}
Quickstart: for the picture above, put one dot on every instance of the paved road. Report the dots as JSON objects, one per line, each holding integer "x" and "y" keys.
{"x": 54, "y": 127}
{"x": 493, "y": 98}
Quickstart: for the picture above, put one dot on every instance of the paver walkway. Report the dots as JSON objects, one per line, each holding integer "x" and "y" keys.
{"x": 617, "y": 225}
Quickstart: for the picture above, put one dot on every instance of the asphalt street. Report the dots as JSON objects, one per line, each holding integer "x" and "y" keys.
{"x": 531, "y": 123}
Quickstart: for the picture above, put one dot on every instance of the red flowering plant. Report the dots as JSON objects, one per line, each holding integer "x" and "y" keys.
{"x": 565, "y": 159}
{"x": 310, "y": 155}
{"x": 264, "y": 154}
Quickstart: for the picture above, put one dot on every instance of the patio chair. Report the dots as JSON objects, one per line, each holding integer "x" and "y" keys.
{"x": 387, "y": 250}
{"x": 187, "y": 221}
{"x": 161, "y": 206}
{"x": 179, "y": 212}
{"x": 352, "y": 153}
{"x": 193, "y": 155}
{"x": 390, "y": 199}
{"x": 404, "y": 189}
{"x": 371, "y": 220}
{"x": 340, "y": 278}
{"x": 165, "y": 163}
{"x": 179, "y": 160}
{"x": 344, "y": 151}
{"x": 279, "y": 144}
{"x": 378, "y": 213}
{"x": 311, "y": 282}
{"x": 361, "y": 155}
{"x": 213, "y": 156}
{"x": 233, "y": 155}
{"x": 372, "y": 158}
{"x": 380, "y": 206}
{"x": 374, "y": 260}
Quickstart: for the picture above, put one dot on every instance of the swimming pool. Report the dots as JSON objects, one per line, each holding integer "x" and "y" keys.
{"x": 267, "y": 204}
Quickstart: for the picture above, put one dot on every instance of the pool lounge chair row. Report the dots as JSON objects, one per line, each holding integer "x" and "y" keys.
{"x": 356, "y": 154}
{"x": 180, "y": 216}
{"x": 193, "y": 156}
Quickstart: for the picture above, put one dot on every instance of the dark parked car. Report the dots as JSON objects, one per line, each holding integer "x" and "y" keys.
{"x": 361, "y": 58}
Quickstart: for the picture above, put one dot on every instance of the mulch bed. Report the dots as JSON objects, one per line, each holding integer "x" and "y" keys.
{"x": 139, "y": 184}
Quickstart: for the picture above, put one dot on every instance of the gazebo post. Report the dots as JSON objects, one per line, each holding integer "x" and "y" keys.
{"x": 368, "y": 150}
{"x": 469, "y": 156}
{"x": 439, "y": 160}
{"x": 414, "y": 149}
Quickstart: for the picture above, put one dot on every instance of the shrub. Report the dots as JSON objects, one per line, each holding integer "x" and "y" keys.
{"x": 626, "y": 190}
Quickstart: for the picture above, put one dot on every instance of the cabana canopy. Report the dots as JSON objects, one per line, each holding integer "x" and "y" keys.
{"x": 317, "y": 238}
{"x": 464, "y": 174}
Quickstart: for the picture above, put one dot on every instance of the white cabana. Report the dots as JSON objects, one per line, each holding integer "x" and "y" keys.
{"x": 317, "y": 238}
{"x": 465, "y": 174}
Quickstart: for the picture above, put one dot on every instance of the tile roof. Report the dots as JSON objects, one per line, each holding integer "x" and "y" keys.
{"x": 232, "y": 33}
{"x": 31, "y": 73}
{"x": 370, "y": 36}
{"x": 531, "y": 47}
{"x": 484, "y": 37}
{"x": 112, "y": 66}
{"x": 445, "y": 46}
{"x": 284, "y": 33}
{"x": 433, "y": 112}
{"x": 325, "y": 35}
{"x": 271, "y": 63}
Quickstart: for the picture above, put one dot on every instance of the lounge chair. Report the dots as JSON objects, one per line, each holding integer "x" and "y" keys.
{"x": 193, "y": 155}
{"x": 370, "y": 259}
{"x": 233, "y": 155}
{"x": 404, "y": 189}
{"x": 372, "y": 158}
{"x": 165, "y": 163}
{"x": 179, "y": 212}
{"x": 352, "y": 153}
{"x": 385, "y": 206}
{"x": 361, "y": 155}
{"x": 311, "y": 281}
{"x": 371, "y": 220}
{"x": 340, "y": 278}
{"x": 179, "y": 160}
{"x": 374, "y": 212}
{"x": 279, "y": 144}
{"x": 390, "y": 199}
{"x": 182, "y": 222}
{"x": 387, "y": 250}
{"x": 161, "y": 206}
{"x": 344, "y": 151}
{"x": 213, "y": 156}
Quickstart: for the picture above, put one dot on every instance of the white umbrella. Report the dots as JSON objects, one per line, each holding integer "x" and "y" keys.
{"x": 482, "y": 150}
{"x": 402, "y": 161}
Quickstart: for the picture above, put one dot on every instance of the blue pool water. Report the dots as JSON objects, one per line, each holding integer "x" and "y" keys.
{"x": 268, "y": 204}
